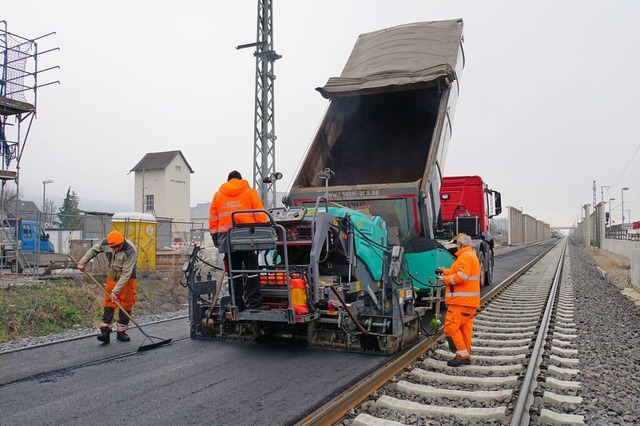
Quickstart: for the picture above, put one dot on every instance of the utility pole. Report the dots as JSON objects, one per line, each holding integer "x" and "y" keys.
{"x": 264, "y": 165}
{"x": 602, "y": 192}
{"x": 622, "y": 206}
{"x": 610, "y": 218}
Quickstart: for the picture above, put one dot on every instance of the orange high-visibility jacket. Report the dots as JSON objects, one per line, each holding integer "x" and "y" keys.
{"x": 233, "y": 196}
{"x": 463, "y": 279}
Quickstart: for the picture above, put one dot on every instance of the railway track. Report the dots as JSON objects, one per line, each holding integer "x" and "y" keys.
{"x": 522, "y": 371}
{"x": 87, "y": 356}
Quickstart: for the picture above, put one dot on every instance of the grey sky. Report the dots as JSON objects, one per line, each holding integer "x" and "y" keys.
{"x": 548, "y": 101}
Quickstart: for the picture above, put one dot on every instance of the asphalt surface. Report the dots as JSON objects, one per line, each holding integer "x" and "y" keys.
{"x": 83, "y": 382}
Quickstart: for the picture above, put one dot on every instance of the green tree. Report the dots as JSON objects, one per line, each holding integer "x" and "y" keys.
{"x": 69, "y": 216}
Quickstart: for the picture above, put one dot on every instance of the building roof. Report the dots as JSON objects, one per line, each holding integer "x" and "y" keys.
{"x": 158, "y": 160}
{"x": 26, "y": 210}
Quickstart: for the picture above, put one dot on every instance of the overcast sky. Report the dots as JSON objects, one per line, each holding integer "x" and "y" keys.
{"x": 549, "y": 99}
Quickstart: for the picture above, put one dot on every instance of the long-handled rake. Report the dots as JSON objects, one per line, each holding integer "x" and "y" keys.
{"x": 133, "y": 320}
{"x": 208, "y": 321}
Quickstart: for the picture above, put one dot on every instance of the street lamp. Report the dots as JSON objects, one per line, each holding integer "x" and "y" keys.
{"x": 44, "y": 191}
{"x": 622, "y": 206}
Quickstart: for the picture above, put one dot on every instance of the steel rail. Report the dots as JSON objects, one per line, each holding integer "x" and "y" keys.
{"x": 336, "y": 409}
{"x": 521, "y": 415}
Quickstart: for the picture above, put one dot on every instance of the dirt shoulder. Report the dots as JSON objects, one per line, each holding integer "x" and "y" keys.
{"x": 618, "y": 269}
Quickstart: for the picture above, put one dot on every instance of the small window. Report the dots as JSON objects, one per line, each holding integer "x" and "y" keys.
{"x": 178, "y": 168}
{"x": 149, "y": 203}
{"x": 26, "y": 231}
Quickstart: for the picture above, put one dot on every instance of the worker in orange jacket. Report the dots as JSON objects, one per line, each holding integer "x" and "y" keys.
{"x": 462, "y": 297}
{"x": 235, "y": 195}
{"x": 121, "y": 282}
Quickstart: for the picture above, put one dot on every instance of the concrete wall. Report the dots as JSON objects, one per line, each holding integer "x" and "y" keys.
{"x": 516, "y": 226}
{"x": 591, "y": 232}
{"x": 524, "y": 228}
{"x": 177, "y": 194}
{"x": 621, "y": 247}
{"x": 635, "y": 268}
{"x": 630, "y": 250}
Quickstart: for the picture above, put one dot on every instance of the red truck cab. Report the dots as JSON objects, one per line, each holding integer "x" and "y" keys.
{"x": 466, "y": 205}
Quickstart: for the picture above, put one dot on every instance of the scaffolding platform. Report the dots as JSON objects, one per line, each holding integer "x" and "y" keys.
{"x": 13, "y": 107}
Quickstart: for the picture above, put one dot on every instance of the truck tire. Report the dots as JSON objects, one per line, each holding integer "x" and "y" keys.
{"x": 16, "y": 267}
{"x": 489, "y": 276}
{"x": 483, "y": 268}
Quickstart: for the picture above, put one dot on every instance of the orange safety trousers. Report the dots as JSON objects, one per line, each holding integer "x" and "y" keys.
{"x": 458, "y": 325}
{"x": 127, "y": 296}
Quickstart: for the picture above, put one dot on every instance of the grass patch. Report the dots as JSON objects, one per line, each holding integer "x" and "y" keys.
{"x": 40, "y": 309}
{"x": 59, "y": 305}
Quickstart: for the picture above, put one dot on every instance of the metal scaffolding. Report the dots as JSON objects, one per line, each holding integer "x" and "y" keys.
{"x": 20, "y": 79}
{"x": 19, "y": 83}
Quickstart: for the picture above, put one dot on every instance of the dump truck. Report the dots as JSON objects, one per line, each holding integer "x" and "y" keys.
{"x": 344, "y": 263}
{"x": 382, "y": 144}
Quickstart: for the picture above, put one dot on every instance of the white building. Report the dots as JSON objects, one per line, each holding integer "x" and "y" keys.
{"x": 162, "y": 185}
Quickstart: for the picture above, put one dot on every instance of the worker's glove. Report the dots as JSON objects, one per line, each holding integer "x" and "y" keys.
{"x": 214, "y": 237}
{"x": 439, "y": 270}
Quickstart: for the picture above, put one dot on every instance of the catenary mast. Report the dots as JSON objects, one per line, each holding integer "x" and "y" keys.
{"x": 264, "y": 165}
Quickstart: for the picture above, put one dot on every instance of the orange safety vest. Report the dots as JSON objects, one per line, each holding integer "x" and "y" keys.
{"x": 233, "y": 196}
{"x": 463, "y": 279}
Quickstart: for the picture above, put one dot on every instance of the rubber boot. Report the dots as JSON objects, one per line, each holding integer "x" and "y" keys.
{"x": 122, "y": 336}
{"x": 104, "y": 335}
{"x": 457, "y": 362}
{"x": 452, "y": 346}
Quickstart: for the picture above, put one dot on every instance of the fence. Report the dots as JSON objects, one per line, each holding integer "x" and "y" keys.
{"x": 167, "y": 240}
{"x": 170, "y": 234}
{"x": 592, "y": 231}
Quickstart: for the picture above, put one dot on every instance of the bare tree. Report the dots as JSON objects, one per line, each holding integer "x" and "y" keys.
{"x": 49, "y": 211}
{"x": 9, "y": 197}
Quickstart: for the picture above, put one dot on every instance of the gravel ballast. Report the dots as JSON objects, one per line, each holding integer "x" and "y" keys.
{"x": 607, "y": 325}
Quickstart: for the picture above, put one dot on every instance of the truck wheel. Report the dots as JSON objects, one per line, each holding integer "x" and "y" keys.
{"x": 16, "y": 268}
{"x": 483, "y": 267}
{"x": 489, "y": 276}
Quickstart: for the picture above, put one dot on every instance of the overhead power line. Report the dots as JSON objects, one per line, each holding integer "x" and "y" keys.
{"x": 625, "y": 167}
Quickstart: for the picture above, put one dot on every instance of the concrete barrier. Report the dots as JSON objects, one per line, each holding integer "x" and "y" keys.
{"x": 635, "y": 268}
